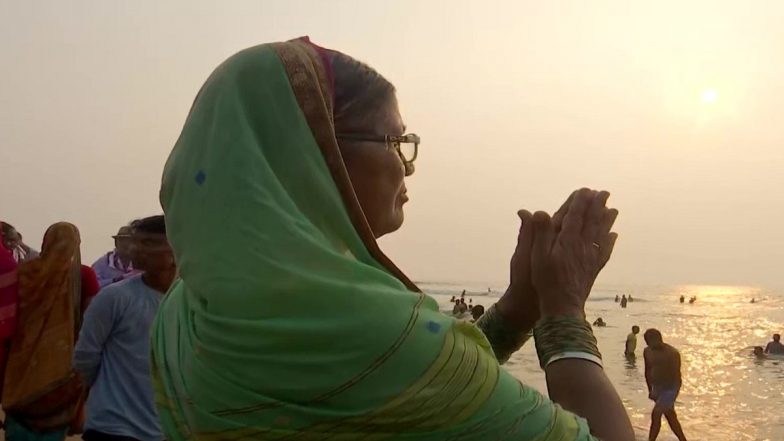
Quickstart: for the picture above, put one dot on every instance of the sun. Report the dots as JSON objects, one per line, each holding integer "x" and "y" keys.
{"x": 709, "y": 96}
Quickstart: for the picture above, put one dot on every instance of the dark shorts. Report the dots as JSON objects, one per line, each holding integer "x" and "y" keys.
{"x": 94, "y": 435}
{"x": 665, "y": 396}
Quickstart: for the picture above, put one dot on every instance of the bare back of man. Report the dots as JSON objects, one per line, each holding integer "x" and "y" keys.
{"x": 663, "y": 376}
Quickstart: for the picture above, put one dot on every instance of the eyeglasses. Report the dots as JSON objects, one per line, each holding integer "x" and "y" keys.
{"x": 407, "y": 146}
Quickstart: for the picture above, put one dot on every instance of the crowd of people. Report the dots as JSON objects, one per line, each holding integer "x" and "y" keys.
{"x": 75, "y": 340}
{"x": 284, "y": 319}
{"x": 623, "y": 300}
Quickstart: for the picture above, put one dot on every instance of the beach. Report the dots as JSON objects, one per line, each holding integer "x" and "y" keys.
{"x": 726, "y": 394}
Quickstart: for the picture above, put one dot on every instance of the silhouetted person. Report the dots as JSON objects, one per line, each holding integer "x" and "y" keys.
{"x": 663, "y": 376}
{"x": 476, "y": 312}
{"x": 617, "y": 299}
{"x": 631, "y": 342}
{"x": 631, "y": 299}
{"x": 683, "y": 299}
{"x": 599, "y": 322}
{"x": 623, "y": 301}
{"x": 692, "y": 300}
{"x": 759, "y": 352}
{"x": 775, "y": 347}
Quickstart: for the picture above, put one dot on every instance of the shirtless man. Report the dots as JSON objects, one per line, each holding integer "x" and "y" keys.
{"x": 775, "y": 347}
{"x": 663, "y": 375}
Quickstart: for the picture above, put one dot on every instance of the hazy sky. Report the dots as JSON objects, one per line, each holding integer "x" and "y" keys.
{"x": 675, "y": 107}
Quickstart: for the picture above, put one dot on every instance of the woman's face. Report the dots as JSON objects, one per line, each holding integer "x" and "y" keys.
{"x": 377, "y": 173}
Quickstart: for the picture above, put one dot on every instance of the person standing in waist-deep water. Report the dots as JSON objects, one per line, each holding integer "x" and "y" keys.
{"x": 775, "y": 347}
{"x": 112, "y": 353}
{"x": 42, "y": 394}
{"x": 623, "y": 301}
{"x": 477, "y": 311}
{"x": 663, "y": 376}
{"x": 631, "y": 342}
{"x": 116, "y": 264}
{"x": 287, "y": 320}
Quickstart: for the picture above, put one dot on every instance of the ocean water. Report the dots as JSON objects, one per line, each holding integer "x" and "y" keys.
{"x": 727, "y": 394}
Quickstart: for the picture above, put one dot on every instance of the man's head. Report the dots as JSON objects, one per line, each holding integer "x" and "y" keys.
{"x": 653, "y": 338}
{"x": 758, "y": 351}
{"x": 477, "y": 311}
{"x": 635, "y": 329}
{"x": 776, "y": 337}
{"x": 150, "y": 249}
{"x": 123, "y": 242}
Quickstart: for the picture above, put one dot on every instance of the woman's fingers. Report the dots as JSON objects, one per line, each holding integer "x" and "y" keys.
{"x": 606, "y": 224}
{"x": 559, "y": 215}
{"x": 525, "y": 241}
{"x": 605, "y": 250}
{"x": 526, "y": 236}
{"x": 594, "y": 216}
{"x": 574, "y": 217}
{"x": 544, "y": 234}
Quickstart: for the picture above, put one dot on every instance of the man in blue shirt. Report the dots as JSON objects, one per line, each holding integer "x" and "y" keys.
{"x": 112, "y": 353}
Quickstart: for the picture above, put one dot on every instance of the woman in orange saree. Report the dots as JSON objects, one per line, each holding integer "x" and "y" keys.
{"x": 42, "y": 394}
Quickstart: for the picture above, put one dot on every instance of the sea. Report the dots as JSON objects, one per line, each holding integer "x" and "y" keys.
{"x": 727, "y": 393}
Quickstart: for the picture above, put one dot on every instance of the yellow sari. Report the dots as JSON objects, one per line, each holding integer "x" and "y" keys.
{"x": 41, "y": 390}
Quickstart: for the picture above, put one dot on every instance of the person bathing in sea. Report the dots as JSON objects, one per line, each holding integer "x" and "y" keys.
{"x": 476, "y": 312}
{"x": 599, "y": 322}
{"x": 775, "y": 347}
{"x": 663, "y": 376}
{"x": 631, "y": 342}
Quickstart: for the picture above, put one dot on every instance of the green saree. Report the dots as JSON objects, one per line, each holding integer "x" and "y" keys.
{"x": 288, "y": 323}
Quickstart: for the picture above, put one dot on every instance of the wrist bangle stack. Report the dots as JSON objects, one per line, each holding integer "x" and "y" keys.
{"x": 564, "y": 337}
{"x": 504, "y": 339}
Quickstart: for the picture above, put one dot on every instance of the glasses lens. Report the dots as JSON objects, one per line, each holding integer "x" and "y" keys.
{"x": 407, "y": 150}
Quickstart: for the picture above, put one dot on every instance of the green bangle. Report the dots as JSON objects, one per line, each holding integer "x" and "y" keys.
{"x": 560, "y": 335}
{"x": 504, "y": 339}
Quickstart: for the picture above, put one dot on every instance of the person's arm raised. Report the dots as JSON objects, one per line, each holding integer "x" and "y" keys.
{"x": 565, "y": 260}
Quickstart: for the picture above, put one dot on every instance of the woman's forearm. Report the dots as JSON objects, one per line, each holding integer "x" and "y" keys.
{"x": 582, "y": 387}
{"x": 506, "y": 328}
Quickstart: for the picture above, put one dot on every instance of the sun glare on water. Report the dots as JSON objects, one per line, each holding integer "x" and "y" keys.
{"x": 709, "y": 96}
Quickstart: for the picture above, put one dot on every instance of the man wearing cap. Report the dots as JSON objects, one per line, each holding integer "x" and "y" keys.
{"x": 116, "y": 264}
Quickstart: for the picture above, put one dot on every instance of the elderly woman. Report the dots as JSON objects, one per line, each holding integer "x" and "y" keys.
{"x": 290, "y": 323}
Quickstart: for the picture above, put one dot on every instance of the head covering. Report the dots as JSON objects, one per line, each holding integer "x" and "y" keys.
{"x": 288, "y": 322}
{"x": 40, "y": 389}
{"x": 8, "y": 294}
